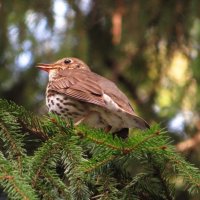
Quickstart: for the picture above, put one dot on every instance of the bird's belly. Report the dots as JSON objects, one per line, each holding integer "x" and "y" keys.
{"x": 65, "y": 107}
{"x": 103, "y": 118}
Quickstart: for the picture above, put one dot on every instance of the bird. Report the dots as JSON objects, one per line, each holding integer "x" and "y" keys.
{"x": 75, "y": 92}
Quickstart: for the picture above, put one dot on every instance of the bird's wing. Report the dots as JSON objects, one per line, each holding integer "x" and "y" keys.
{"x": 89, "y": 87}
{"x": 115, "y": 94}
{"x": 78, "y": 85}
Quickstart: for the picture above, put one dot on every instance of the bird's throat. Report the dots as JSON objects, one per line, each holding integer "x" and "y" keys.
{"x": 52, "y": 74}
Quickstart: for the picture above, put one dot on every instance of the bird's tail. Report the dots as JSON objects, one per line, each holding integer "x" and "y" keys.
{"x": 134, "y": 121}
{"x": 140, "y": 123}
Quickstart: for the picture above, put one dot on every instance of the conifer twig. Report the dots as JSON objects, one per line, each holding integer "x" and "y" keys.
{"x": 103, "y": 162}
{"x": 158, "y": 174}
{"x": 130, "y": 149}
{"x": 33, "y": 131}
{"x": 98, "y": 141}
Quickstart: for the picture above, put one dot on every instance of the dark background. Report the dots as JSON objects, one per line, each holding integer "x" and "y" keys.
{"x": 149, "y": 48}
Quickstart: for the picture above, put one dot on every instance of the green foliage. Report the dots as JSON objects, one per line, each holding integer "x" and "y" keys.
{"x": 67, "y": 162}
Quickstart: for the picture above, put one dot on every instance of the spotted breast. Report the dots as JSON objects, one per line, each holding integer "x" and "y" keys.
{"x": 64, "y": 106}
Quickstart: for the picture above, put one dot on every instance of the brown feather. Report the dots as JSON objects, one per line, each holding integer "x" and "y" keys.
{"x": 89, "y": 87}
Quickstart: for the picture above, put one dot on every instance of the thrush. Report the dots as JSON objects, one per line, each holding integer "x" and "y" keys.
{"x": 75, "y": 92}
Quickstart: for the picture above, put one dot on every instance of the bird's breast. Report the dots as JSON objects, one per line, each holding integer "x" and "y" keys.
{"x": 62, "y": 105}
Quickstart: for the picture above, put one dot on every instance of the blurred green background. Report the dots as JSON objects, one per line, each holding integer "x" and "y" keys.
{"x": 149, "y": 48}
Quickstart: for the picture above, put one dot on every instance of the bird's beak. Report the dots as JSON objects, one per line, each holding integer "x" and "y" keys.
{"x": 47, "y": 67}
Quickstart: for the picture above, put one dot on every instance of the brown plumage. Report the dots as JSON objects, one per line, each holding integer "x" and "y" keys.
{"x": 73, "y": 87}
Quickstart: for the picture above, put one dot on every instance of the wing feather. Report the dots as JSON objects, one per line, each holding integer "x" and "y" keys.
{"x": 89, "y": 87}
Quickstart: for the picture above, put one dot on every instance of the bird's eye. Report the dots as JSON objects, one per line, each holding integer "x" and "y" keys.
{"x": 67, "y": 61}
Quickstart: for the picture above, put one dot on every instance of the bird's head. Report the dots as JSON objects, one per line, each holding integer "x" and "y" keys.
{"x": 62, "y": 64}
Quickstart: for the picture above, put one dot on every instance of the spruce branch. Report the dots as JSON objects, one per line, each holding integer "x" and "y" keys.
{"x": 13, "y": 183}
{"x": 72, "y": 157}
{"x": 89, "y": 158}
{"x": 28, "y": 122}
{"x": 12, "y": 137}
{"x": 91, "y": 166}
{"x": 48, "y": 153}
{"x": 56, "y": 183}
{"x": 162, "y": 180}
{"x": 106, "y": 186}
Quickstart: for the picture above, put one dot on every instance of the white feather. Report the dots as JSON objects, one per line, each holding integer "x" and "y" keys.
{"x": 111, "y": 105}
